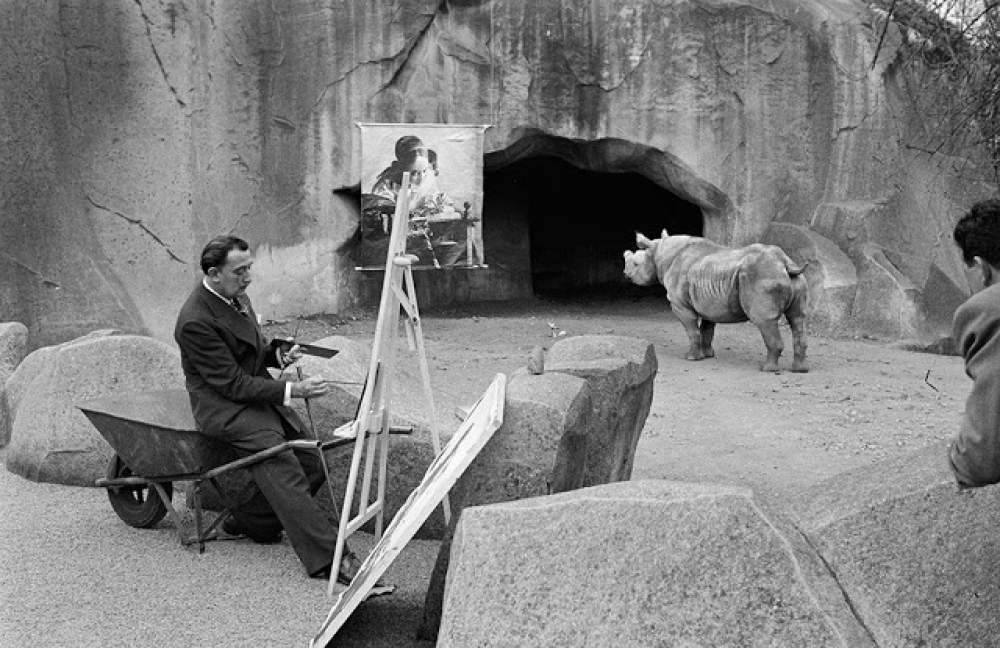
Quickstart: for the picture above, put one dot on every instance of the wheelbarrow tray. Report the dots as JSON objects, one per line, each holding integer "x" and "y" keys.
{"x": 155, "y": 434}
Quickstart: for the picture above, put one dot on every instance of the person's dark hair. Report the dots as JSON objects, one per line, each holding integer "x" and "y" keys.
{"x": 432, "y": 158}
{"x": 215, "y": 252}
{"x": 977, "y": 233}
{"x": 408, "y": 149}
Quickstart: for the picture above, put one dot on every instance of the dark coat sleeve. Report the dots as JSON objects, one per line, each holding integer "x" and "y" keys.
{"x": 213, "y": 360}
{"x": 975, "y": 452}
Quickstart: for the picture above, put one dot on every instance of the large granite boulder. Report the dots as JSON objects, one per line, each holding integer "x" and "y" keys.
{"x": 829, "y": 273}
{"x": 541, "y": 448}
{"x": 34, "y": 364}
{"x": 51, "y": 440}
{"x": 13, "y": 348}
{"x": 576, "y": 424}
{"x": 850, "y": 224}
{"x": 890, "y": 266}
{"x": 620, "y": 372}
{"x": 637, "y": 564}
{"x": 887, "y": 300}
{"x": 918, "y": 558}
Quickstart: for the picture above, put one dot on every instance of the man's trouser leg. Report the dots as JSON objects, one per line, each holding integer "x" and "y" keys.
{"x": 287, "y": 495}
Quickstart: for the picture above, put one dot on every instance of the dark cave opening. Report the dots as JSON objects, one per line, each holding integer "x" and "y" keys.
{"x": 571, "y": 225}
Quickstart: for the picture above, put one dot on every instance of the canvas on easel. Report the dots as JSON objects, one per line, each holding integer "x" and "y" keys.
{"x": 484, "y": 419}
{"x": 445, "y": 202}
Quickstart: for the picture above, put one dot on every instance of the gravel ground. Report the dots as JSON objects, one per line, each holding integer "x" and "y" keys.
{"x": 75, "y": 575}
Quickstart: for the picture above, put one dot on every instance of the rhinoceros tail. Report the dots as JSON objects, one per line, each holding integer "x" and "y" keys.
{"x": 790, "y": 267}
{"x": 794, "y": 270}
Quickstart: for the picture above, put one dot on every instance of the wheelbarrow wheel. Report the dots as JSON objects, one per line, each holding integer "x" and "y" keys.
{"x": 137, "y": 506}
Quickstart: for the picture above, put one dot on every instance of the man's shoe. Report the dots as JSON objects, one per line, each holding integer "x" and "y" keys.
{"x": 323, "y": 574}
{"x": 349, "y": 565}
{"x": 232, "y": 526}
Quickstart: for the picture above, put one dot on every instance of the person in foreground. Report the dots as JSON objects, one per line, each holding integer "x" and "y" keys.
{"x": 974, "y": 454}
{"x": 236, "y": 400}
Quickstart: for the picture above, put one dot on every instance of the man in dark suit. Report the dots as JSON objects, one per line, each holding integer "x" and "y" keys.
{"x": 236, "y": 400}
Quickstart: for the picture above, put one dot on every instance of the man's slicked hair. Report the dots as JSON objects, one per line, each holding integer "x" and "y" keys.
{"x": 215, "y": 252}
{"x": 977, "y": 233}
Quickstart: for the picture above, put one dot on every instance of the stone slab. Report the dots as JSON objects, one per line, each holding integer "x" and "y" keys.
{"x": 619, "y": 371}
{"x": 637, "y": 564}
{"x": 539, "y": 449}
{"x": 918, "y": 558}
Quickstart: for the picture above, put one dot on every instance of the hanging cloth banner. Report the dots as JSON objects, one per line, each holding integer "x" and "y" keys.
{"x": 445, "y": 163}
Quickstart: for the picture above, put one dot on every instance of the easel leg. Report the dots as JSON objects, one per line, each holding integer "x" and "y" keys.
{"x": 416, "y": 333}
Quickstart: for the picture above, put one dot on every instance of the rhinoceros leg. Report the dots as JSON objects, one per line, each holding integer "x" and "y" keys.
{"x": 799, "y": 363}
{"x": 707, "y": 335}
{"x": 689, "y": 319}
{"x": 796, "y": 317}
{"x": 772, "y": 340}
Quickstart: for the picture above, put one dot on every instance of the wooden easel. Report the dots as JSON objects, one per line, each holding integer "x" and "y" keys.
{"x": 371, "y": 426}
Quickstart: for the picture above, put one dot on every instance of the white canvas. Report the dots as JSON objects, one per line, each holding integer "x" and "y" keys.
{"x": 483, "y": 420}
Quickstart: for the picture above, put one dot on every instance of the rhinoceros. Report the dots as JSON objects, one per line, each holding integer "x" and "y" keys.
{"x": 709, "y": 284}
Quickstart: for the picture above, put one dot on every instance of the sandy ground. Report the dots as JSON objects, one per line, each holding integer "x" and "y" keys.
{"x": 75, "y": 575}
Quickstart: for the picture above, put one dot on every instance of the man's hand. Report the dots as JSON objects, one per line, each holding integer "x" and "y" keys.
{"x": 310, "y": 387}
{"x": 288, "y": 355}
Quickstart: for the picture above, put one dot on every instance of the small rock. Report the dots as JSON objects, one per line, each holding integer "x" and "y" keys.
{"x": 536, "y": 361}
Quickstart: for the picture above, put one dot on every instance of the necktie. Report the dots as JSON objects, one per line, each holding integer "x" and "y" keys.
{"x": 238, "y": 306}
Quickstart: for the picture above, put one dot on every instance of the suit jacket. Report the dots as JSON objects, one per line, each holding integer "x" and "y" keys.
{"x": 975, "y": 452}
{"x": 225, "y": 359}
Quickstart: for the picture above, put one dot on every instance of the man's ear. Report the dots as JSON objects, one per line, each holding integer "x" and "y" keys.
{"x": 986, "y": 271}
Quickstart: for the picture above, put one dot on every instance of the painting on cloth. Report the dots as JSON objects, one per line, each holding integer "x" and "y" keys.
{"x": 444, "y": 163}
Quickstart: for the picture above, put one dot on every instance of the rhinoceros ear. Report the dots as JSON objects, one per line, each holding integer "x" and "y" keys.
{"x": 664, "y": 234}
{"x": 641, "y": 241}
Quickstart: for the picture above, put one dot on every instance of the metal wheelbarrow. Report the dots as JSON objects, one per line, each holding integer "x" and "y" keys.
{"x": 156, "y": 443}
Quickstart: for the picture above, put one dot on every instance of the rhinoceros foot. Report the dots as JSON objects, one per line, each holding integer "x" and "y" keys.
{"x": 800, "y": 367}
{"x": 696, "y": 354}
{"x": 770, "y": 365}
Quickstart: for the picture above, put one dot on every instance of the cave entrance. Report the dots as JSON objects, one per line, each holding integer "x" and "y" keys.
{"x": 564, "y": 212}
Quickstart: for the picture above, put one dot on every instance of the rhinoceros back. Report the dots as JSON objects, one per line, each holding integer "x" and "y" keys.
{"x": 727, "y": 284}
{"x": 713, "y": 286}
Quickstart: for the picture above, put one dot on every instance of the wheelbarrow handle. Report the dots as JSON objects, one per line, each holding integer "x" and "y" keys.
{"x": 301, "y": 444}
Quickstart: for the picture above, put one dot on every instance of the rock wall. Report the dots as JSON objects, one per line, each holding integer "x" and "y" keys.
{"x": 133, "y": 130}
